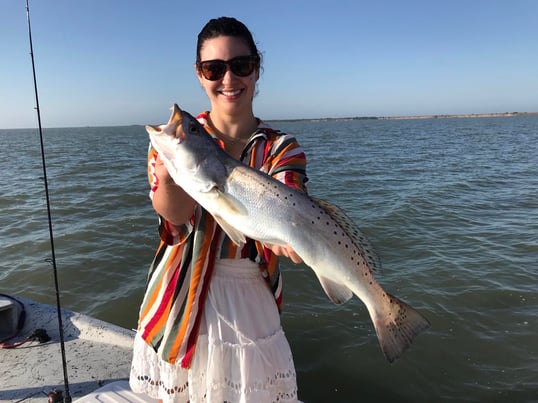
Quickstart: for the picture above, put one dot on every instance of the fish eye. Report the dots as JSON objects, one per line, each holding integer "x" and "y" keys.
{"x": 193, "y": 128}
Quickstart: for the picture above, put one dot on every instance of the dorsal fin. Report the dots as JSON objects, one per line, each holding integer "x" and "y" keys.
{"x": 353, "y": 231}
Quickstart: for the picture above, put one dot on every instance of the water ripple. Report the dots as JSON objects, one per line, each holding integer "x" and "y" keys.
{"x": 451, "y": 206}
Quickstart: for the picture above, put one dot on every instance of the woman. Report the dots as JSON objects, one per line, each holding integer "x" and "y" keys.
{"x": 209, "y": 326}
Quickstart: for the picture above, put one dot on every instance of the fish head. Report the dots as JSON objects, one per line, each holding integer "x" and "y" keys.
{"x": 181, "y": 127}
{"x": 183, "y": 138}
{"x": 185, "y": 148}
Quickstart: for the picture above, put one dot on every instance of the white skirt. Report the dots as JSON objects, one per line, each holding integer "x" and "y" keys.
{"x": 242, "y": 354}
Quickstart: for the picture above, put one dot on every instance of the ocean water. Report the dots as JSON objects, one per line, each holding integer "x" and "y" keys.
{"x": 451, "y": 206}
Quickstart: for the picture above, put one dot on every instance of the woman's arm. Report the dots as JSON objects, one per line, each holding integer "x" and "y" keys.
{"x": 169, "y": 200}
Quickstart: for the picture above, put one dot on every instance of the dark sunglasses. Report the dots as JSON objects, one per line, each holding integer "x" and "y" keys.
{"x": 241, "y": 66}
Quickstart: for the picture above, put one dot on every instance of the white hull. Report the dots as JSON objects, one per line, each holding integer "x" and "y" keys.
{"x": 97, "y": 353}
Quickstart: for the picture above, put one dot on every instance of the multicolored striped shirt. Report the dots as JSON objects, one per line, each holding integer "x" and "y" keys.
{"x": 180, "y": 273}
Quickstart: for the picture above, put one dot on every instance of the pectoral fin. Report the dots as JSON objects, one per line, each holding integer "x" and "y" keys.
{"x": 236, "y": 236}
{"x": 337, "y": 293}
{"x": 229, "y": 206}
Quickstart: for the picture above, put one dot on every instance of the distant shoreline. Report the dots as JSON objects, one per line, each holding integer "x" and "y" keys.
{"x": 463, "y": 115}
{"x": 343, "y": 119}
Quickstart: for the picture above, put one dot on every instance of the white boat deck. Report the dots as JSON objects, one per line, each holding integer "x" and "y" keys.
{"x": 98, "y": 355}
{"x": 117, "y": 392}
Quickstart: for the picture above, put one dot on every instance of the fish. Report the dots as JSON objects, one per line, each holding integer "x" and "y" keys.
{"x": 248, "y": 203}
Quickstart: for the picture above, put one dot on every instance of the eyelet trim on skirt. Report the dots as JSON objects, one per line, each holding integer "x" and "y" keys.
{"x": 242, "y": 354}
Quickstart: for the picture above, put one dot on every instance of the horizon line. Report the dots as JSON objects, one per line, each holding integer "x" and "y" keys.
{"x": 326, "y": 119}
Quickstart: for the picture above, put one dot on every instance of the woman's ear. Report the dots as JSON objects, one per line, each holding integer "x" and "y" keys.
{"x": 199, "y": 75}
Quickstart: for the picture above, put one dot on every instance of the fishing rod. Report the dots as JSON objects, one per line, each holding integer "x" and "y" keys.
{"x": 67, "y": 398}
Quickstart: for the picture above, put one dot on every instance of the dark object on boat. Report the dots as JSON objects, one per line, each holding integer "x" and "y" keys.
{"x": 12, "y": 316}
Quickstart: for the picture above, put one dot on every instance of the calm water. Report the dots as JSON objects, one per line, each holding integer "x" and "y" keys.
{"x": 450, "y": 204}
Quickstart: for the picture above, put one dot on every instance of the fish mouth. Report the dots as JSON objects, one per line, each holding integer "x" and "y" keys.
{"x": 176, "y": 123}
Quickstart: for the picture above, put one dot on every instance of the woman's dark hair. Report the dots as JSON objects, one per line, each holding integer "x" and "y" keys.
{"x": 226, "y": 26}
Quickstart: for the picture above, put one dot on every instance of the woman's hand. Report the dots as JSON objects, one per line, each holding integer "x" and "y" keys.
{"x": 286, "y": 251}
{"x": 161, "y": 172}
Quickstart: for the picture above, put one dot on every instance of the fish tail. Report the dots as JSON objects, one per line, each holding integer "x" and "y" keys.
{"x": 397, "y": 328}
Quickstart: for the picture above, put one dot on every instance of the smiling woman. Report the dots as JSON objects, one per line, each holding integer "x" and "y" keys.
{"x": 230, "y": 93}
{"x": 209, "y": 326}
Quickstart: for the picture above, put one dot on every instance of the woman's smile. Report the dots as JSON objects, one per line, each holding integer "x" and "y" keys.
{"x": 231, "y": 93}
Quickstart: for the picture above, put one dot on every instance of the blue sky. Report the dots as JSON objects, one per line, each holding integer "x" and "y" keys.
{"x": 121, "y": 62}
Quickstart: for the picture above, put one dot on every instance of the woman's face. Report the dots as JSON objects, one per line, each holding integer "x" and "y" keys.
{"x": 231, "y": 94}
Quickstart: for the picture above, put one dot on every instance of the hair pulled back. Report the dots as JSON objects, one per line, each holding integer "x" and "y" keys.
{"x": 226, "y": 26}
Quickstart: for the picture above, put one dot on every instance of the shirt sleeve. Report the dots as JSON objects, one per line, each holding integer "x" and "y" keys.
{"x": 168, "y": 232}
{"x": 286, "y": 162}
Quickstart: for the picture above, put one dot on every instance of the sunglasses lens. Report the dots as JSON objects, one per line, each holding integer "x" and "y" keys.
{"x": 213, "y": 70}
{"x": 242, "y": 66}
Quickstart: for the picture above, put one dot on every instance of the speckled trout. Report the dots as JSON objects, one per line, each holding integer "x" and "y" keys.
{"x": 246, "y": 202}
